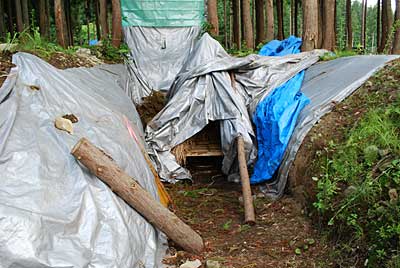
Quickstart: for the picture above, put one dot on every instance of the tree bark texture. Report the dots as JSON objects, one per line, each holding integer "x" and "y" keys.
{"x": 213, "y": 16}
{"x": 260, "y": 20}
{"x": 386, "y": 23}
{"x": 43, "y": 19}
{"x": 320, "y": 22}
{"x": 103, "y": 18}
{"x": 279, "y": 14}
{"x": 349, "y": 29}
{"x": 236, "y": 24}
{"x": 269, "y": 12}
{"x": 329, "y": 25}
{"x": 2, "y": 21}
{"x": 116, "y": 23}
{"x": 25, "y": 13}
{"x": 396, "y": 40}
{"x": 247, "y": 24}
{"x": 59, "y": 17}
{"x": 10, "y": 17}
{"x": 137, "y": 197}
{"x": 310, "y": 24}
{"x": 19, "y": 17}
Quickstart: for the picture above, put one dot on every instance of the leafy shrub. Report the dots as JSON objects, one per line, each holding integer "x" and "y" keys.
{"x": 357, "y": 194}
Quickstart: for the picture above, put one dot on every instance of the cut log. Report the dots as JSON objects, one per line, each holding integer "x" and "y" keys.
{"x": 249, "y": 215}
{"x": 126, "y": 187}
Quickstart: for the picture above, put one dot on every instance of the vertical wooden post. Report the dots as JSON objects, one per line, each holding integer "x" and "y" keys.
{"x": 249, "y": 214}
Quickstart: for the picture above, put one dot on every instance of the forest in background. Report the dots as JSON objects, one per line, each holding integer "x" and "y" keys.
{"x": 240, "y": 25}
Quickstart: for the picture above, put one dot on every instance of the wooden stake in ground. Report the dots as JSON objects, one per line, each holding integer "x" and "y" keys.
{"x": 249, "y": 215}
{"x": 132, "y": 193}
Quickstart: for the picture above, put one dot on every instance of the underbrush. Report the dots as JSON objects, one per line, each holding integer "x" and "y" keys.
{"x": 359, "y": 182}
{"x": 31, "y": 41}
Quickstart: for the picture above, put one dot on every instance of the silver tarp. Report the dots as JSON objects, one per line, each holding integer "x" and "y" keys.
{"x": 325, "y": 84}
{"x": 53, "y": 212}
{"x": 203, "y": 92}
{"x": 156, "y": 56}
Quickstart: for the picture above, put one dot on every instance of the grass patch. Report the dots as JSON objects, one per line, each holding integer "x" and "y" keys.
{"x": 359, "y": 182}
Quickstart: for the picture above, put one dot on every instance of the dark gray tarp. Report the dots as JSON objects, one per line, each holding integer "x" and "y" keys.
{"x": 325, "y": 84}
{"x": 53, "y": 212}
{"x": 156, "y": 57}
{"x": 203, "y": 92}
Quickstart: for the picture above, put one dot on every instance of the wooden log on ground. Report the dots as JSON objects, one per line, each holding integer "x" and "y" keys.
{"x": 249, "y": 215}
{"x": 126, "y": 187}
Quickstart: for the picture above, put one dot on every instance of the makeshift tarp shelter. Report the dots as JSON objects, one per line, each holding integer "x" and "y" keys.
{"x": 53, "y": 212}
{"x": 203, "y": 91}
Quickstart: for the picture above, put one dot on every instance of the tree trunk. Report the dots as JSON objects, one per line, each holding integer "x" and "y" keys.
{"x": 126, "y": 187}
{"x": 18, "y": 13}
{"x": 396, "y": 40}
{"x": 362, "y": 32}
{"x": 247, "y": 25}
{"x": 226, "y": 30}
{"x": 310, "y": 24}
{"x": 269, "y": 12}
{"x": 59, "y": 17}
{"x": 97, "y": 13}
{"x": 296, "y": 15}
{"x": 349, "y": 29}
{"x": 260, "y": 19}
{"x": 292, "y": 16}
{"x": 43, "y": 19}
{"x": 25, "y": 13}
{"x": 212, "y": 13}
{"x": 10, "y": 21}
{"x": 116, "y": 23}
{"x": 103, "y": 18}
{"x": 236, "y": 24}
{"x": 320, "y": 22}
{"x": 386, "y": 22}
{"x": 378, "y": 26}
{"x": 279, "y": 14}
{"x": 329, "y": 25}
{"x": 2, "y": 21}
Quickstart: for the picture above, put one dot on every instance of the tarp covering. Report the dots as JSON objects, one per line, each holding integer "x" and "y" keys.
{"x": 156, "y": 57}
{"x": 53, "y": 212}
{"x": 325, "y": 84}
{"x": 203, "y": 92}
{"x": 276, "y": 115}
{"x": 162, "y": 13}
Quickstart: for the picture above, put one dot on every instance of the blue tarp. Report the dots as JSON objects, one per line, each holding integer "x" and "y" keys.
{"x": 275, "y": 116}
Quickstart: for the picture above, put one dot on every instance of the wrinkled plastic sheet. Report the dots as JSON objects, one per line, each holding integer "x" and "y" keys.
{"x": 156, "y": 57}
{"x": 162, "y": 13}
{"x": 203, "y": 92}
{"x": 53, "y": 212}
{"x": 325, "y": 84}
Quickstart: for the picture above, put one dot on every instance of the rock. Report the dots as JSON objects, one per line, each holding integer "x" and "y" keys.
{"x": 64, "y": 124}
{"x": 213, "y": 264}
{"x": 191, "y": 264}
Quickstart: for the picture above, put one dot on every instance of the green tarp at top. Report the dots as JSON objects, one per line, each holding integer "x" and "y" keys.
{"x": 166, "y": 13}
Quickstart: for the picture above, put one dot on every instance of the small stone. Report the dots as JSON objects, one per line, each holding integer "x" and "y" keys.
{"x": 213, "y": 264}
{"x": 64, "y": 124}
{"x": 191, "y": 264}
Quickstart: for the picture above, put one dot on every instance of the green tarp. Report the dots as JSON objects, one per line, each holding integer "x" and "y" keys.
{"x": 167, "y": 13}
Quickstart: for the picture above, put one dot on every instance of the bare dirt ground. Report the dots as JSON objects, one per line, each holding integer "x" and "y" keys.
{"x": 282, "y": 237}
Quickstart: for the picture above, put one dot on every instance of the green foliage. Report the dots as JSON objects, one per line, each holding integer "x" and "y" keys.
{"x": 31, "y": 41}
{"x": 337, "y": 54}
{"x": 357, "y": 192}
{"x": 107, "y": 51}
